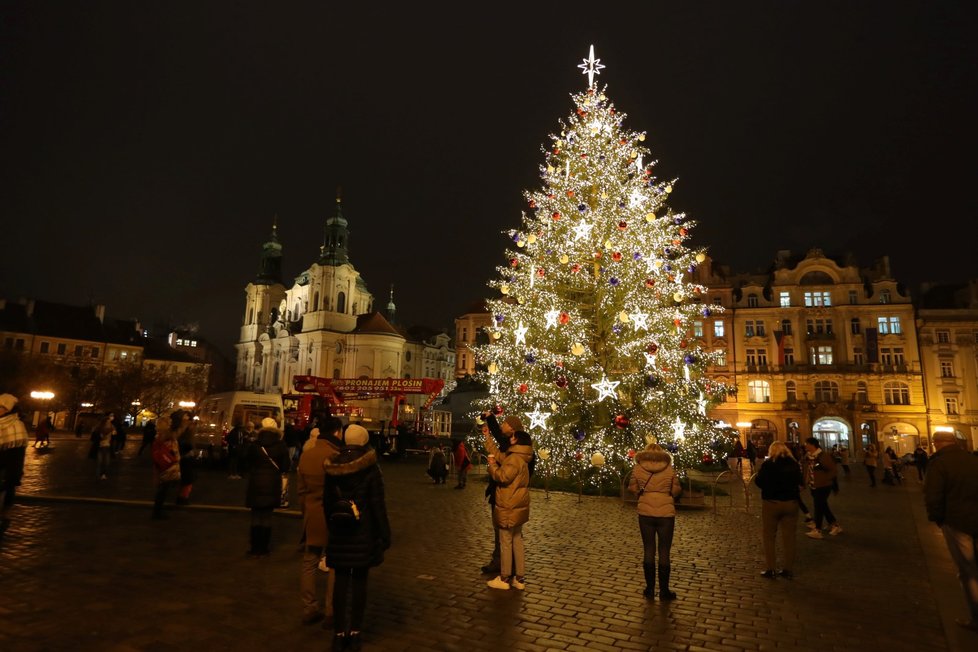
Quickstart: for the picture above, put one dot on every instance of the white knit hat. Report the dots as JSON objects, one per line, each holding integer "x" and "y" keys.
{"x": 356, "y": 435}
{"x": 268, "y": 423}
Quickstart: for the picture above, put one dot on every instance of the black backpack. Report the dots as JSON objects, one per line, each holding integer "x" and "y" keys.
{"x": 345, "y": 515}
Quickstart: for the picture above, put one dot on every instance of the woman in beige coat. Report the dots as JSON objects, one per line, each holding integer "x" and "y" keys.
{"x": 657, "y": 486}
{"x": 512, "y": 502}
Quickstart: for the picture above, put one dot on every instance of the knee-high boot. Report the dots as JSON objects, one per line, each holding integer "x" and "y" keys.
{"x": 649, "y": 568}
{"x": 664, "y": 592}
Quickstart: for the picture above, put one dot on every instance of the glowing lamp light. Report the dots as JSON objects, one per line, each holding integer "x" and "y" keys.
{"x": 42, "y": 395}
{"x": 187, "y": 404}
{"x": 597, "y": 460}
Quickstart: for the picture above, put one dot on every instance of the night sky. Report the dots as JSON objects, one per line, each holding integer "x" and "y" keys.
{"x": 147, "y": 146}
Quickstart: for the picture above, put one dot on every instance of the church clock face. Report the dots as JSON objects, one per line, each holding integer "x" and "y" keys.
{"x": 339, "y": 347}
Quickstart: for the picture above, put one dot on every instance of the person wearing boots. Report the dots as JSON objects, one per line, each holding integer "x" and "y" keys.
{"x": 655, "y": 482}
{"x": 780, "y": 482}
{"x": 268, "y": 459}
{"x": 355, "y": 545}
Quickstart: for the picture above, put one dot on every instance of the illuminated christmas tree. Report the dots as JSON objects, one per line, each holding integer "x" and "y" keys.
{"x": 591, "y": 341}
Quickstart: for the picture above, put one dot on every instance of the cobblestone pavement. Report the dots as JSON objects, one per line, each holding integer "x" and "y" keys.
{"x": 83, "y": 567}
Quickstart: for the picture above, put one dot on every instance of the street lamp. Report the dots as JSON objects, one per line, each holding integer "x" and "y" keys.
{"x": 43, "y": 396}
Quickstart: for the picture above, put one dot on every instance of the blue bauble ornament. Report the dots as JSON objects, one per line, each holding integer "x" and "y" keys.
{"x": 613, "y": 281}
{"x": 677, "y": 220}
{"x": 636, "y": 256}
{"x": 689, "y": 359}
{"x": 706, "y": 312}
{"x": 500, "y": 318}
{"x": 582, "y": 207}
{"x": 616, "y": 329}
{"x": 651, "y": 382}
{"x": 530, "y": 358}
{"x": 579, "y": 435}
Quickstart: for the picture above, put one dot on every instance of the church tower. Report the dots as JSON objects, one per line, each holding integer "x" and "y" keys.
{"x": 391, "y": 308}
{"x": 264, "y": 299}
{"x": 270, "y": 268}
{"x": 333, "y": 251}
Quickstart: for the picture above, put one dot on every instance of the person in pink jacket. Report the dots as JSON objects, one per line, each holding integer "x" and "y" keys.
{"x": 657, "y": 486}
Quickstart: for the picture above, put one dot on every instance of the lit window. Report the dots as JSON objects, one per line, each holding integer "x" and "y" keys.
{"x": 721, "y": 358}
{"x": 749, "y": 328}
{"x": 718, "y": 328}
{"x": 123, "y": 355}
{"x": 884, "y": 296}
{"x": 179, "y": 342}
{"x": 817, "y": 299}
{"x": 751, "y": 300}
{"x": 821, "y": 355}
{"x": 785, "y": 299}
{"x": 758, "y": 391}
{"x": 697, "y": 329}
{"x": 193, "y": 342}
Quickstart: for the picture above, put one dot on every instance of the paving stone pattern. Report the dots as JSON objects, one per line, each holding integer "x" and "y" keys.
{"x": 83, "y": 567}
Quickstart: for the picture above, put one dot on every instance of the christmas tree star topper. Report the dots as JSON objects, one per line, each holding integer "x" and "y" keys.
{"x": 591, "y": 67}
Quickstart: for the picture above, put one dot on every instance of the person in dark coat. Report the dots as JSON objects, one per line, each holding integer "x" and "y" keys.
{"x": 182, "y": 424}
{"x": 437, "y": 465}
{"x": 268, "y": 459}
{"x": 353, "y": 549}
{"x": 149, "y": 436}
{"x": 780, "y": 481}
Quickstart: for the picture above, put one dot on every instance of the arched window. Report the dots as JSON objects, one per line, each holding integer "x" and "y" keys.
{"x": 341, "y": 302}
{"x": 826, "y": 391}
{"x": 792, "y": 391}
{"x": 896, "y": 393}
{"x": 758, "y": 391}
{"x": 336, "y": 374}
{"x": 297, "y": 311}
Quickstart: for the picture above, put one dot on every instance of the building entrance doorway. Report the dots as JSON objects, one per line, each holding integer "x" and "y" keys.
{"x": 831, "y": 432}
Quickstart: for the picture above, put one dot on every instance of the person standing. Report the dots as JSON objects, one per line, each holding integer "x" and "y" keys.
{"x": 323, "y": 446}
{"x": 920, "y": 461}
{"x": 780, "y": 481}
{"x": 13, "y": 447}
{"x": 437, "y": 465}
{"x": 182, "y": 424}
{"x": 235, "y": 440}
{"x": 510, "y": 472}
{"x": 820, "y": 477}
{"x": 101, "y": 450}
{"x": 353, "y": 478}
{"x": 149, "y": 436}
{"x": 166, "y": 465}
{"x": 844, "y": 459}
{"x": 870, "y": 461}
{"x": 462, "y": 463}
{"x": 268, "y": 459}
{"x": 119, "y": 438}
{"x": 654, "y": 481}
{"x": 751, "y": 454}
{"x": 951, "y": 497}
{"x": 738, "y": 454}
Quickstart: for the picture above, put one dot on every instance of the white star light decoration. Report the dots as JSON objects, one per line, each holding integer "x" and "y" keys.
{"x": 591, "y": 67}
{"x": 582, "y": 230}
{"x": 551, "y": 316}
{"x": 520, "y": 333}
{"x": 640, "y": 320}
{"x": 606, "y": 388}
{"x": 649, "y": 359}
{"x": 538, "y": 418}
{"x": 679, "y": 429}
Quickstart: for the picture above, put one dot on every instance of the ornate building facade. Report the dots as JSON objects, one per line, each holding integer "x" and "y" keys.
{"x": 325, "y": 325}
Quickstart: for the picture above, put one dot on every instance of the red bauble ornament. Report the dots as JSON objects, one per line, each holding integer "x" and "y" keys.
{"x": 616, "y": 256}
{"x": 649, "y": 283}
{"x": 514, "y": 262}
{"x": 683, "y": 344}
{"x": 581, "y": 112}
{"x": 578, "y": 456}
{"x": 533, "y": 204}
{"x": 497, "y": 410}
{"x": 575, "y": 268}
{"x": 561, "y": 381}
{"x": 683, "y": 231}
{"x": 560, "y": 363}
{"x": 597, "y": 255}
{"x": 556, "y": 216}
{"x": 677, "y": 322}
{"x": 524, "y": 388}
{"x": 563, "y": 318}
{"x": 550, "y": 195}
{"x": 623, "y": 142}
{"x": 621, "y": 421}
{"x": 570, "y": 193}
{"x": 652, "y": 348}
{"x": 623, "y": 225}
{"x": 540, "y": 272}
{"x": 631, "y": 453}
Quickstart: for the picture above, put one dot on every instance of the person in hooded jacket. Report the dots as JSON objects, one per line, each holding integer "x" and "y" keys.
{"x": 321, "y": 447}
{"x": 511, "y": 509}
{"x": 780, "y": 481}
{"x": 655, "y": 482}
{"x": 353, "y": 549}
{"x": 269, "y": 460}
